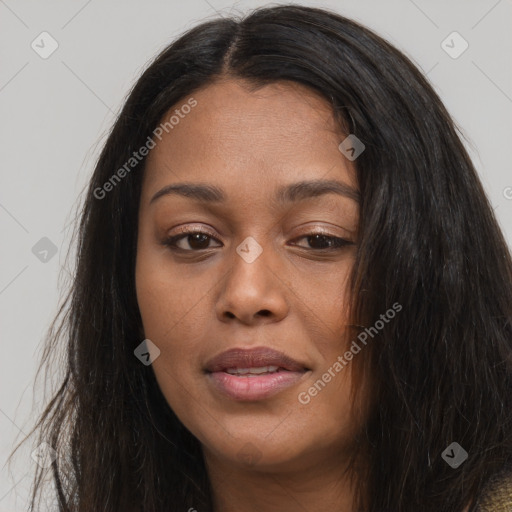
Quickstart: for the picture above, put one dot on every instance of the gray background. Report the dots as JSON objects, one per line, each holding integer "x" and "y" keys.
{"x": 55, "y": 113}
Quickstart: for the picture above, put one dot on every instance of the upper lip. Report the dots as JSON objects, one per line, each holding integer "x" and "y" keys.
{"x": 253, "y": 358}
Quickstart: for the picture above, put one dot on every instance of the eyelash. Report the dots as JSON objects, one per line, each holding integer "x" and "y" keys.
{"x": 339, "y": 243}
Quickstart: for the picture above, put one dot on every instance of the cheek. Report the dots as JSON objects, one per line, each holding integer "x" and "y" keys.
{"x": 174, "y": 325}
{"x": 322, "y": 306}
{"x": 330, "y": 412}
{"x": 167, "y": 296}
{"x": 172, "y": 308}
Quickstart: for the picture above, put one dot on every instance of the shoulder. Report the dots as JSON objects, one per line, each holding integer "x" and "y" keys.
{"x": 497, "y": 496}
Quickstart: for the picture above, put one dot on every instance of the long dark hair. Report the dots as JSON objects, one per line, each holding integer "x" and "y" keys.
{"x": 441, "y": 371}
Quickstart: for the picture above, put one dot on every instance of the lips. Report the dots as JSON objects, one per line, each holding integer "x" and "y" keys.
{"x": 253, "y": 374}
{"x": 258, "y": 357}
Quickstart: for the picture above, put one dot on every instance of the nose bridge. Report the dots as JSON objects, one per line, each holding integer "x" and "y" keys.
{"x": 251, "y": 261}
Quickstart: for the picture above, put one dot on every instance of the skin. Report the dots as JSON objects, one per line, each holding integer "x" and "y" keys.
{"x": 292, "y": 298}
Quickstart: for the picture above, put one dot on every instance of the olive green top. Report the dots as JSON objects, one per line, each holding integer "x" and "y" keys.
{"x": 498, "y": 495}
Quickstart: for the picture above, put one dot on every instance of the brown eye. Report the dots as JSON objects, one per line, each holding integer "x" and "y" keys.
{"x": 323, "y": 242}
{"x": 198, "y": 241}
{"x": 195, "y": 240}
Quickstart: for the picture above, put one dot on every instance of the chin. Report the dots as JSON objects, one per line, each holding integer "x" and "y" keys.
{"x": 257, "y": 451}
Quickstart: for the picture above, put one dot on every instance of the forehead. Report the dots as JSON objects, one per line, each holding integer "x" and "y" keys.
{"x": 278, "y": 133}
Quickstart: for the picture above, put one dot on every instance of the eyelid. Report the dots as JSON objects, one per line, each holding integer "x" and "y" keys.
{"x": 321, "y": 230}
{"x": 200, "y": 229}
{"x": 194, "y": 229}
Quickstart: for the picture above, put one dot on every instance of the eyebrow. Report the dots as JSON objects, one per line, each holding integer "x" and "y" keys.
{"x": 285, "y": 194}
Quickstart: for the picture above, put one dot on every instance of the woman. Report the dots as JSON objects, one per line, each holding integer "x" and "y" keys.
{"x": 291, "y": 291}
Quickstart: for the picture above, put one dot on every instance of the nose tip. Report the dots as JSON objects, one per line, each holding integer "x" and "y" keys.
{"x": 251, "y": 289}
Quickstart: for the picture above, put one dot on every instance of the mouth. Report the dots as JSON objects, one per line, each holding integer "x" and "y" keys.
{"x": 253, "y": 374}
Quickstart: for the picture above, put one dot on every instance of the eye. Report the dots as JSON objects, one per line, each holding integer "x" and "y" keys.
{"x": 322, "y": 242}
{"x": 196, "y": 241}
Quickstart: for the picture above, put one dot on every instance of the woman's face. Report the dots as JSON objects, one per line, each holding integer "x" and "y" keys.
{"x": 254, "y": 277}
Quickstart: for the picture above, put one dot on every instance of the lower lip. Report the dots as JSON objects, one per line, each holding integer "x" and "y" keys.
{"x": 254, "y": 388}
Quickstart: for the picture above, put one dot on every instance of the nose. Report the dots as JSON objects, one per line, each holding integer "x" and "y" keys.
{"x": 252, "y": 291}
